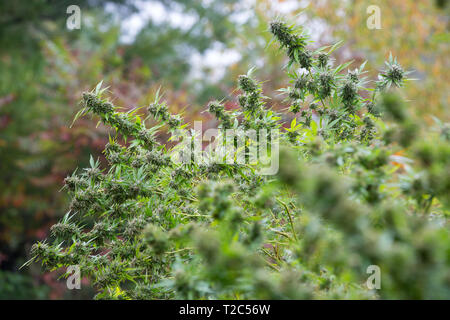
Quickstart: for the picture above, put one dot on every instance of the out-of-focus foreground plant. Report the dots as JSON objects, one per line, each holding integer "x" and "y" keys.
{"x": 360, "y": 183}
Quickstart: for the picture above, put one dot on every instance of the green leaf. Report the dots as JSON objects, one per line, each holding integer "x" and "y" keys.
{"x": 98, "y": 87}
{"x": 335, "y": 46}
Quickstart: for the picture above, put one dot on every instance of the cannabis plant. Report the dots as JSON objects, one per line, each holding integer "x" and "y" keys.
{"x": 361, "y": 183}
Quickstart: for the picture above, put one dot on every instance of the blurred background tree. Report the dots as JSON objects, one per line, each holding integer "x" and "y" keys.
{"x": 194, "y": 50}
{"x": 416, "y": 32}
{"x": 44, "y": 67}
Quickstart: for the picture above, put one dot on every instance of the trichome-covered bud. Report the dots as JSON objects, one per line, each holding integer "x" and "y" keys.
{"x": 64, "y": 231}
{"x": 96, "y": 105}
{"x": 283, "y": 34}
{"x": 247, "y": 84}
{"x": 301, "y": 83}
{"x": 322, "y": 60}
{"x": 72, "y": 182}
{"x": 348, "y": 93}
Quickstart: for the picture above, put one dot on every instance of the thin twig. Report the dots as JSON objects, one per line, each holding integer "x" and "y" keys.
{"x": 290, "y": 218}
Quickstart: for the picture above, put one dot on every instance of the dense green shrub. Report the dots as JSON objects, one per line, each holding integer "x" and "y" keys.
{"x": 360, "y": 183}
